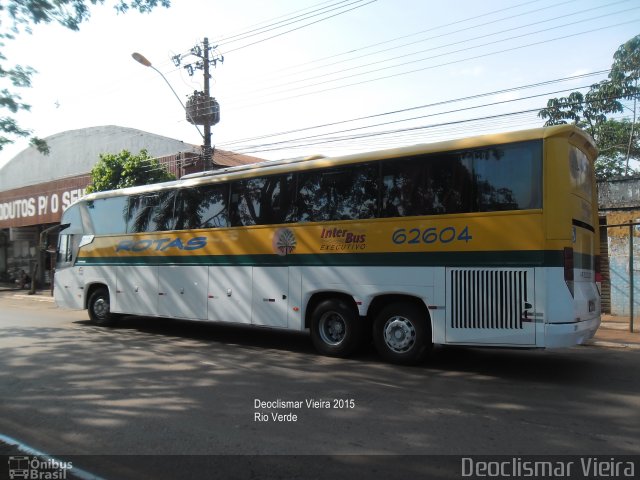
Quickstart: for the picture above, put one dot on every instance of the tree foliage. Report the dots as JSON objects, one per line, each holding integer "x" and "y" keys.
{"x": 617, "y": 140}
{"x": 614, "y": 143}
{"x": 120, "y": 170}
{"x": 17, "y": 17}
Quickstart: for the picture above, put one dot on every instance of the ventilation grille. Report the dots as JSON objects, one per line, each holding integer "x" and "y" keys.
{"x": 488, "y": 299}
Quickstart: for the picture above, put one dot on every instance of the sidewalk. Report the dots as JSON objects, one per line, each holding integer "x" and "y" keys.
{"x": 614, "y": 332}
{"x": 10, "y": 291}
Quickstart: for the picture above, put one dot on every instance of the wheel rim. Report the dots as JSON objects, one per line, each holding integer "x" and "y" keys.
{"x": 101, "y": 307}
{"x": 399, "y": 334}
{"x": 333, "y": 328}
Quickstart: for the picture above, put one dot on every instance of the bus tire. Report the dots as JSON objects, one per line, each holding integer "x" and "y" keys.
{"x": 402, "y": 333}
{"x": 99, "y": 308}
{"x": 336, "y": 327}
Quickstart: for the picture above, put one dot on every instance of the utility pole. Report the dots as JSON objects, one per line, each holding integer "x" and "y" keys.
{"x": 208, "y": 160}
{"x": 201, "y": 108}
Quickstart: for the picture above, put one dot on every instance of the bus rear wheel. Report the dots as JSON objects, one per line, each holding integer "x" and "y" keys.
{"x": 100, "y": 309}
{"x": 336, "y": 328}
{"x": 402, "y": 333}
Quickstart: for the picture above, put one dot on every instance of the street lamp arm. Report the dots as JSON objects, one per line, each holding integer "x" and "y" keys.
{"x": 138, "y": 57}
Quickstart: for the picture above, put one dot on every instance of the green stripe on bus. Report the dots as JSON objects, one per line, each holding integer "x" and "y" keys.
{"x": 540, "y": 258}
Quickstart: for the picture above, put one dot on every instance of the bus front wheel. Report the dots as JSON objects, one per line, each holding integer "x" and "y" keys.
{"x": 99, "y": 308}
{"x": 401, "y": 333}
{"x": 336, "y": 327}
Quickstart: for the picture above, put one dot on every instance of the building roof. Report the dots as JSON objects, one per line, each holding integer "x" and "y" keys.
{"x": 75, "y": 152}
{"x": 232, "y": 159}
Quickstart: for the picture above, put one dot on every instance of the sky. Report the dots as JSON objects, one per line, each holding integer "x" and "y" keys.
{"x": 303, "y": 77}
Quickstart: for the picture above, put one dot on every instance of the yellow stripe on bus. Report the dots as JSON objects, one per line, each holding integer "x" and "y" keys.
{"x": 447, "y": 233}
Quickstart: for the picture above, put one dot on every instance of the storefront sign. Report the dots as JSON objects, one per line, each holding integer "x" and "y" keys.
{"x": 40, "y": 204}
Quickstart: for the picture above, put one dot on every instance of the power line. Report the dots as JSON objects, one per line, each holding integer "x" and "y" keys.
{"x": 466, "y": 29}
{"x": 315, "y": 77}
{"x": 420, "y": 32}
{"x": 276, "y": 25}
{"x": 430, "y": 105}
{"x": 317, "y": 140}
{"x": 114, "y": 84}
{"x": 459, "y": 110}
{"x": 430, "y": 67}
{"x": 357, "y": 3}
{"x": 298, "y": 28}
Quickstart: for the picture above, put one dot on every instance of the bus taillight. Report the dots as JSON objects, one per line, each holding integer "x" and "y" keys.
{"x": 568, "y": 268}
{"x": 598, "y": 276}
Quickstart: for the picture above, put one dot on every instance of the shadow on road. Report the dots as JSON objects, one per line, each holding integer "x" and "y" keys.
{"x": 556, "y": 367}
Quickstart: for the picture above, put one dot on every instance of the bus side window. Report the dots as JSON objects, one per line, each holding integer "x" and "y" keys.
{"x": 426, "y": 185}
{"x": 263, "y": 200}
{"x": 202, "y": 207}
{"x": 151, "y": 212}
{"x": 508, "y": 177}
{"x": 348, "y": 193}
{"x": 108, "y": 215}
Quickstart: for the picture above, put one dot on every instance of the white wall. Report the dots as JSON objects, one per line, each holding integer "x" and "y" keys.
{"x": 75, "y": 152}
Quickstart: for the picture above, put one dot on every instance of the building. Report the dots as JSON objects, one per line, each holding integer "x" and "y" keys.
{"x": 35, "y": 189}
{"x": 619, "y": 204}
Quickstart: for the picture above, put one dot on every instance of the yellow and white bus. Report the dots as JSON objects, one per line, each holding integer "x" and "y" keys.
{"x": 487, "y": 241}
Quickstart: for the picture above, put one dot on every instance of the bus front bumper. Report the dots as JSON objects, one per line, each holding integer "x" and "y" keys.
{"x": 559, "y": 335}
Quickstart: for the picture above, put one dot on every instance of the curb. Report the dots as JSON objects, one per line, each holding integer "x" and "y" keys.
{"x": 607, "y": 344}
{"x": 39, "y": 296}
{"x": 36, "y": 297}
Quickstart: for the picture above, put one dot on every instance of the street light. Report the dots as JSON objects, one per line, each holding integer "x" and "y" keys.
{"x": 138, "y": 57}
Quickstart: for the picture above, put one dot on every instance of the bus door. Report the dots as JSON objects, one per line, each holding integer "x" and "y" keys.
{"x": 269, "y": 306}
{"x": 68, "y": 288}
{"x": 490, "y": 306}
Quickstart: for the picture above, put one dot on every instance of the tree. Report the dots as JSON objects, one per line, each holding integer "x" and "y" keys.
{"x": 18, "y": 18}
{"x": 123, "y": 169}
{"x": 616, "y": 140}
{"x": 613, "y": 145}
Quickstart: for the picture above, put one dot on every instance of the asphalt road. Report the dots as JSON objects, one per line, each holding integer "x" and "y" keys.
{"x": 166, "y": 387}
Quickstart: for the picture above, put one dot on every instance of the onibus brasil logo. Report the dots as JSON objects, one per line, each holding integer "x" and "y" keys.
{"x": 284, "y": 241}
{"x": 36, "y": 468}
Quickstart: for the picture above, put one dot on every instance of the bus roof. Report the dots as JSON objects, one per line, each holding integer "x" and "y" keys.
{"x": 272, "y": 167}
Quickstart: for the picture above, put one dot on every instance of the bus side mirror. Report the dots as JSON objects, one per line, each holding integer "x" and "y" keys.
{"x": 44, "y": 238}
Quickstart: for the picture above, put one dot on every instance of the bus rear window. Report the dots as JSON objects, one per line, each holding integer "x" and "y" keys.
{"x": 581, "y": 173}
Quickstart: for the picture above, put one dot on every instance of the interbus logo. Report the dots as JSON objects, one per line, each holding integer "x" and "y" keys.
{"x": 339, "y": 239}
